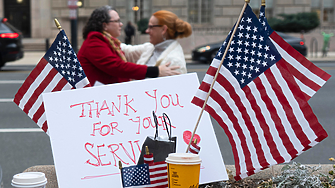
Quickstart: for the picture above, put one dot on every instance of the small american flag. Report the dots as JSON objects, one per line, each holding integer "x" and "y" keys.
{"x": 148, "y": 158}
{"x": 58, "y": 70}
{"x": 308, "y": 76}
{"x": 153, "y": 175}
{"x": 257, "y": 101}
{"x": 194, "y": 148}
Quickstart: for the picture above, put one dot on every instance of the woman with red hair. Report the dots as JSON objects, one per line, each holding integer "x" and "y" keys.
{"x": 164, "y": 28}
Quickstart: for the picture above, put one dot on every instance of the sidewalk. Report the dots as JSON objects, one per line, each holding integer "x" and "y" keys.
{"x": 32, "y": 58}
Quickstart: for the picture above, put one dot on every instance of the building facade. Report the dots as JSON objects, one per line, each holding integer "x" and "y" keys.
{"x": 35, "y": 17}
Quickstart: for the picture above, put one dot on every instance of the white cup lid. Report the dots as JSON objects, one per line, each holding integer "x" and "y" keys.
{"x": 183, "y": 158}
{"x": 29, "y": 178}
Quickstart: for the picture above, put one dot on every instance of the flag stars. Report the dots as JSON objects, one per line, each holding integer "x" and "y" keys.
{"x": 246, "y": 51}
{"x": 254, "y": 37}
{"x": 240, "y": 35}
{"x": 231, "y": 49}
{"x": 253, "y": 52}
{"x": 255, "y": 29}
{"x": 252, "y": 60}
{"x": 239, "y": 42}
{"x": 230, "y": 57}
{"x": 242, "y": 81}
{"x": 219, "y": 54}
{"x": 272, "y": 57}
{"x": 249, "y": 20}
{"x": 249, "y": 75}
{"x": 240, "y": 27}
{"x": 267, "y": 48}
{"x": 238, "y": 58}
{"x": 246, "y": 44}
{"x": 245, "y": 58}
{"x": 236, "y": 72}
{"x": 266, "y": 56}
{"x": 239, "y": 50}
{"x": 230, "y": 64}
{"x": 256, "y": 69}
{"x": 260, "y": 46}
{"x": 259, "y": 54}
{"x": 254, "y": 45}
{"x": 64, "y": 44}
{"x": 247, "y": 36}
{"x": 264, "y": 64}
{"x": 248, "y": 28}
{"x": 237, "y": 64}
{"x": 258, "y": 61}
{"x": 261, "y": 38}
{"x": 251, "y": 67}
{"x": 244, "y": 66}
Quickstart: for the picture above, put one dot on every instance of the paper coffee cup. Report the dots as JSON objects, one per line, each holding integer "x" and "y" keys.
{"x": 183, "y": 170}
{"x": 29, "y": 180}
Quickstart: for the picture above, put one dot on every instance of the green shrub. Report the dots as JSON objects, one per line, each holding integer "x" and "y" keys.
{"x": 295, "y": 22}
{"x": 142, "y": 25}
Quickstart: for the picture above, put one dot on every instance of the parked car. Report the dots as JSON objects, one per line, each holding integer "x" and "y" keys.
{"x": 11, "y": 47}
{"x": 207, "y": 52}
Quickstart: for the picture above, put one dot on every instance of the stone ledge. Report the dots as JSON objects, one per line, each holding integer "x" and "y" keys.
{"x": 50, "y": 173}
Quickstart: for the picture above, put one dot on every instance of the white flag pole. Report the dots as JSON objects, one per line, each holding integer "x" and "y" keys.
{"x": 217, "y": 73}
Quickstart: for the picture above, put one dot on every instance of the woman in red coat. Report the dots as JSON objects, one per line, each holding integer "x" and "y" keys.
{"x": 101, "y": 56}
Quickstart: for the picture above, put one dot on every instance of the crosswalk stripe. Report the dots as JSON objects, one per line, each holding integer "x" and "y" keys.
{"x": 6, "y": 100}
{"x": 21, "y": 130}
{"x": 11, "y": 81}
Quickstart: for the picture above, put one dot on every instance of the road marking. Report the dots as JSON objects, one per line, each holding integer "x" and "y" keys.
{"x": 6, "y": 100}
{"x": 21, "y": 130}
{"x": 11, "y": 81}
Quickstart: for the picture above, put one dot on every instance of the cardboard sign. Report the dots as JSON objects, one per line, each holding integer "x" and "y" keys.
{"x": 92, "y": 129}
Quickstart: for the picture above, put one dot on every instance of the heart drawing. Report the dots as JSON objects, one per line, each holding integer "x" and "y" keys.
{"x": 187, "y": 137}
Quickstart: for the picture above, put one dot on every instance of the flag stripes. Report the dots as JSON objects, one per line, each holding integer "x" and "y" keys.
{"x": 260, "y": 137}
{"x": 57, "y": 70}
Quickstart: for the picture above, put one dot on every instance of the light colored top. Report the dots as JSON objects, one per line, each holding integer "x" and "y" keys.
{"x": 141, "y": 54}
{"x": 159, "y": 49}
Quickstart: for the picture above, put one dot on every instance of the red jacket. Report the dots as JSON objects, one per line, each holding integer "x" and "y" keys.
{"x": 102, "y": 63}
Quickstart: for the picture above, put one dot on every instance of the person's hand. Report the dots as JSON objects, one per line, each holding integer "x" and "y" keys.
{"x": 165, "y": 70}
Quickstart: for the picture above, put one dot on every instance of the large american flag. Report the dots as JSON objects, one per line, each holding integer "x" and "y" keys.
{"x": 308, "y": 76}
{"x": 59, "y": 69}
{"x": 153, "y": 175}
{"x": 257, "y": 101}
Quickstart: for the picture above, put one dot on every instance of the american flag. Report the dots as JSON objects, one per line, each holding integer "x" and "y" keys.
{"x": 148, "y": 158}
{"x": 309, "y": 77}
{"x": 59, "y": 69}
{"x": 257, "y": 102}
{"x": 152, "y": 175}
{"x": 194, "y": 148}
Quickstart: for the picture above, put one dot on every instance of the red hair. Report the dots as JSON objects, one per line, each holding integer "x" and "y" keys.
{"x": 177, "y": 28}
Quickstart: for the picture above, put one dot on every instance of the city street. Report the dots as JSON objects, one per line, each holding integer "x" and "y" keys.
{"x": 23, "y": 144}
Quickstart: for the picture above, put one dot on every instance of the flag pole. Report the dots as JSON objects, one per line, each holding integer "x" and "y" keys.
{"x": 272, "y": 167}
{"x": 217, "y": 73}
{"x": 58, "y": 24}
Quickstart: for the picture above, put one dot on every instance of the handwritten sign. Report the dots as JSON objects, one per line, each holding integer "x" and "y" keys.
{"x": 92, "y": 129}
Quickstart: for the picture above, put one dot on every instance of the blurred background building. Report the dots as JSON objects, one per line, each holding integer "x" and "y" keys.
{"x": 35, "y": 17}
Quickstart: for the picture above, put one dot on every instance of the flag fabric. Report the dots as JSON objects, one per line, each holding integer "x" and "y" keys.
{"x": 59, "y": 69}
{"x": 137, "y": 175}
{"x": 194, "y": 148}
{"x": 153, "y": 175}
{"x": 308, "y": 76}
{"x": 148, "y": 158}
{"x": 257, "y": 101}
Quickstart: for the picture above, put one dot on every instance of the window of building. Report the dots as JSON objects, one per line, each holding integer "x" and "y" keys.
{"x": 200, "y": 11}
